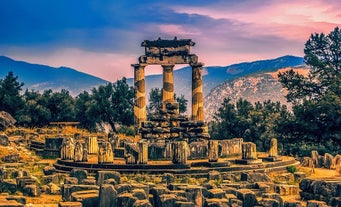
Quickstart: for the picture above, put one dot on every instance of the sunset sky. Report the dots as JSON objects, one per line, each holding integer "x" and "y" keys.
{"x": 103, "y": 38}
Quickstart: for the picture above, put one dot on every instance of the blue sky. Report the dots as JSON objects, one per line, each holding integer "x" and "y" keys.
{"x": 103, "y": 38}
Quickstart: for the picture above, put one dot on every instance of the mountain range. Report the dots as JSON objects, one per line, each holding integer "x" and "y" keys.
{"x": 234, "y": 81}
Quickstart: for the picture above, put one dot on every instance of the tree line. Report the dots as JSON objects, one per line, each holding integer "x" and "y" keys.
{"x": 314, "y": 123}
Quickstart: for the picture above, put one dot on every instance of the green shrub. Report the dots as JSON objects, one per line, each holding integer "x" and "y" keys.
{"x": 292, "y": 169}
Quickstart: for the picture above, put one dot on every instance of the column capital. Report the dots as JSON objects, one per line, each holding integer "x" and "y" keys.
{"x": 138, "y": 65}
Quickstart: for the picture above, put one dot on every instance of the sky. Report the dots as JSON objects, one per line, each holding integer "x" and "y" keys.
{"x": 103, "y": 38}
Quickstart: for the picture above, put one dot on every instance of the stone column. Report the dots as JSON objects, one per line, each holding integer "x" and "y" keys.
{"x": 197, "y": 93}
{"x": 67, "y": 150}
{"x": 143, "y": 153}
{"x": 180, "y": 152}
{"x": 78, "y": 152}
{"x": 249, "y": 151}
{"x": 213, "y": 150}
{"x": 273, "y": 152}
{"x": 105, "y": 153}
{"x": 140, "y": 113}
{"x": 168, "y": 85}
{"x": 92, "y": 145}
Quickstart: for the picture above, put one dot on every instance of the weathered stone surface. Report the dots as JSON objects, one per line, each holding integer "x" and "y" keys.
{"x": 214, "y": 175}
{"x": 166, "y": 200}
{"x": 328, "y": 161}
{"x": 299, "y": 176}
{"x": 101, "y": 176}
{"x": 168, "y": 178}
{"x": 53, "y": 189}
{"x": 89, "y": 181}
{"x": 180, "y": 152}
{"x": 88, "y": 198}
{"x": 70, "y": 204}
{"x": 67, "y": 150}
{"x": 213, "y": 150}
{"x": 92, "y": 144}
{"x": 249, "y": 150}
{"x": 274, "y": 196}
{"x": 80, "y": 174}
{"x": 157, "y": 191}
{"x": 32, "y": 190}
{"x": 11, "y": 158}
{"x": 230, "y": 147}
{"x": 6, "y": 120}
{"x": 317, "y": 159}
{"x": 125, "y": 199}
{"x": 314, "y": 203}
{"x": 49, "y": 170}
{"x": 68, "y": 189}
{"x": 140, "y": 194}
{"x": 78, "y": 152}
{"x": 273, "y": 152}
{"x": 10, "y": 203}
{"x": 292, "y": 204}
{"x": 105, "y": 153}
{"x": 71, "y": 180}
{"x": 286, "y": 190}
{"x": 50, "y": 179}
{"x": 184, "y": 204}
{"x": 107, "y": 196}
{"x": 248, "y": 197}
{"x": 216, "y": 193}
{"x": 198, "y": 150}
{"x": 142, "y": 203}
{"x": 269, "y": 202}
{"x": 4, "y": 140}
{"x": 143, "y": 153}
{"x": 216, "y": 202}
{"x": 8, "y": 185}
{"x": 253, "y": 177}
{"x": 194, "y": 194}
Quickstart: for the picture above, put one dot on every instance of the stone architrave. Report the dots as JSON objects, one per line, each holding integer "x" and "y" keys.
{"x": 105, "y": 153}
{"x": 168, "y": 85}
{"x": 273, "y": 152}
{"x": 197, "y": 93}
{"x": 249, "y": 151}
{"x": 78, "y": 152}
{"x": 213, "y": 150}
{"x": 140, "y": 113}
{"x": 67, "y": 150}
{"x": 143, "y": 153}
{"x": 92, "y": 144}
{"x": 180, "y": 152}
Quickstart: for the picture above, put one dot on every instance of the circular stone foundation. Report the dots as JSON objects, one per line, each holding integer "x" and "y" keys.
{"x": 194, "y": 167}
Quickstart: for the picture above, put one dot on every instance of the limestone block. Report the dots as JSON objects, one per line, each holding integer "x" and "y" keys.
{"x": 286, "y": 190}
{"x": 88, "y": 198}
{"x": 249, "y": 150}
{"x": 32, "y": 190}
{"x": 194, "y": 194}
{"x": 101, "y": 176}
{"x": 80, "y": 174}
{"x": 292, "y": 204}
{"x": 269, "y": 202}
{"x": 213, "y": 150}
{"x": 180, "y": 152}
{"x": 184, "y": 204}
{"x": 68, "y": 189}
{"x": 314, "y": 203}
{"x": 49, "y": 170}
{"x": 216, "y": 193}
{"x": 167, "y": 178}
{"x": 140, "y": 194}
{"x": 167, "y": 200}
{"x": 212, "y": 202}
{"x": 8, "y": 185}
{"x": 125, "y": 199}
{"x": 214, "y": 175}
{"x": 274, "y": 196}
{"x": 107, "y": 196}
{"x": 70, "y": 204}
{"x": 143, "y": 153}
{"x": 105, "y": 153}
{"x": 67, "y": 150}
{"x": 142, "y": 203}
{"x": 123, "y": 188}
{"x": 71, "y": 180}
{"x": 248, "y": 197}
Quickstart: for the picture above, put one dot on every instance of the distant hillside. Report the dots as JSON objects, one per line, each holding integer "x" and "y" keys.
{"x": 256, "y": 87}
{"x": 215, "y": 75}
{"x": 42, "y": 77}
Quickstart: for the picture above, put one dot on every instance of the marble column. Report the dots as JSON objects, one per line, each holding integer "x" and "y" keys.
{"x": 143, "y": 153}
{"x": 78, "y": 154}
{"x": 168, "y": 85}
{"x": 92, "y": 144}
{"x": 140, "y": 113}
{"x": 197, "y": 93}
{"x": 180, "y": 152}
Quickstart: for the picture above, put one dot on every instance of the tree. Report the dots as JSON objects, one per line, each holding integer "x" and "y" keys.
{"x": 316, "y": 98}
{"x": 323, "y": 56}
{"x": 82, "y": 111}
{"x": 155, "y": 101}
{"x": 113, "y": 103}
{"x": 10, "y": 98}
